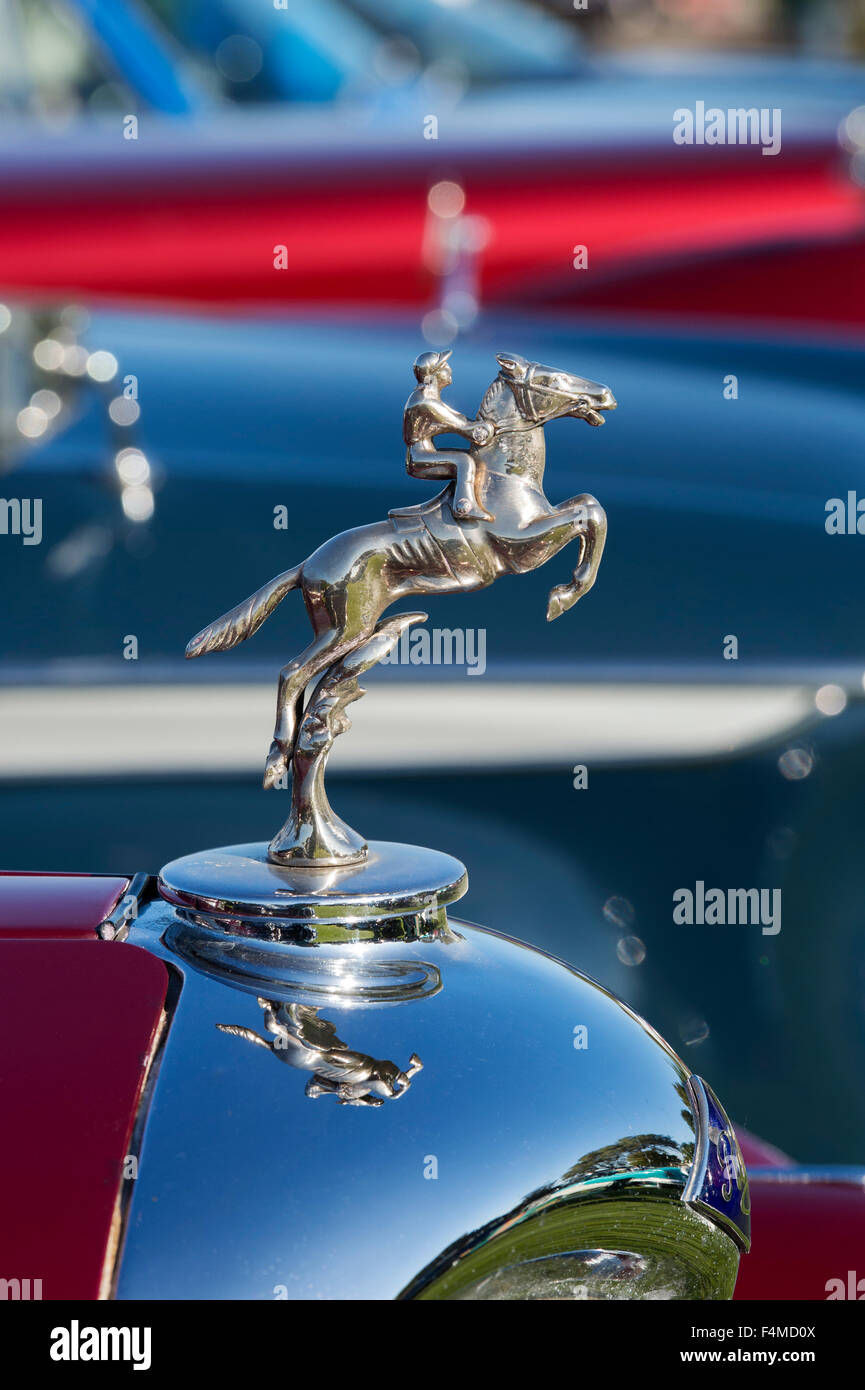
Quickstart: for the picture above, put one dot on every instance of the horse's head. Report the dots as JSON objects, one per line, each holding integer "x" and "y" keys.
{"x": 544, "y": 393}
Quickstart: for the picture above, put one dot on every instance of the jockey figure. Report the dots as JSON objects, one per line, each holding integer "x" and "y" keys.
{"x": 427, "y": 415}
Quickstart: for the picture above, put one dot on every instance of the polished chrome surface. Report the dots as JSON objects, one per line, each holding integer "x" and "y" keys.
{"x": 425, "y": 416}
{"x": 491, "y": 519}
{"x": 314, "y": 836}
{"x": 527, "y": 1159}
{"x": 340, "y": 970}
{"x": 240, "y": 890}
{"x": 579, "y": 1274}
{"x": 670, "y": 1252}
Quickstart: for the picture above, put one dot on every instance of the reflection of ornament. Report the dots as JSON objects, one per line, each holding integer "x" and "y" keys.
{"x": 308, "y": 1042}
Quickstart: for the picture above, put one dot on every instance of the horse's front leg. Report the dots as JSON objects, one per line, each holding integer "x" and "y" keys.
{"x": 590, "y": 524}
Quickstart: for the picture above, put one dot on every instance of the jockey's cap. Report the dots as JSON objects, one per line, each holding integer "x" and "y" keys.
{"x": 429, "y": 363}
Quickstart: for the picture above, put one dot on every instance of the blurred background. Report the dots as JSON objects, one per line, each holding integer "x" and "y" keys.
{"x": 228, "y": 228}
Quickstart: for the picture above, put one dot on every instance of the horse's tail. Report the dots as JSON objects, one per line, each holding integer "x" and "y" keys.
{"x": 246, "y": 618}
{"x": 237, "y": 1031}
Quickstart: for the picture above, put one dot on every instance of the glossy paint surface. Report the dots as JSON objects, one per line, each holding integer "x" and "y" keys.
{"x": 805, "y": 1234}
{"x": 194, "y": 233}
{"x": 729, "y": 285}
{"x": 77, "y": 1024}
{"x": 56, "y": 905}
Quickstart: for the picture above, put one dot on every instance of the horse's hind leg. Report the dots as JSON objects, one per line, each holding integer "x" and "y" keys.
{"x": 593, "y": 533}
{"x": 327, "y": 648}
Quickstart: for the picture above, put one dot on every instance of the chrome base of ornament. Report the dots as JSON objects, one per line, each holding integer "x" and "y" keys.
{"x": 334, "y": 974}
{"x": 326, "y": 844}
{"x": 398, "y": 893}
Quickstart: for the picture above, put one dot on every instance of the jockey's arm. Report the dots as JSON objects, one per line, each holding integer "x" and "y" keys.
{"x": 454, "y": 422}
{"x": 426, "y": 465}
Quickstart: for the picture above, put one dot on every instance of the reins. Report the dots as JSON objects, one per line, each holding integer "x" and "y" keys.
{"x": 528, "y": 418}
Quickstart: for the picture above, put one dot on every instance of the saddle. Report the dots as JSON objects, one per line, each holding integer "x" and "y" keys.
{"x": 427, "y": 533}
{"x": 421, "y": 509}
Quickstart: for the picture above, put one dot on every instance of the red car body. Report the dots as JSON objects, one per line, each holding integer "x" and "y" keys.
{"x": 78, "y": 1023}
{"x": 188, "y": 221}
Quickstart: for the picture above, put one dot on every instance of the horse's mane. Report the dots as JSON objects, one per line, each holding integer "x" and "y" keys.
{"x": 492, "y": 396}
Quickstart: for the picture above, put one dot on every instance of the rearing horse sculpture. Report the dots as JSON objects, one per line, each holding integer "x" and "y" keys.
{"x": 350, "y": 580}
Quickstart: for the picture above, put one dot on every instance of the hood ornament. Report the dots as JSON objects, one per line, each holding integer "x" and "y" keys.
{"x": 491, "y": 518}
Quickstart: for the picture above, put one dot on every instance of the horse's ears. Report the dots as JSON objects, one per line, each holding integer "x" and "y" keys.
{"x": 514, "y": 367}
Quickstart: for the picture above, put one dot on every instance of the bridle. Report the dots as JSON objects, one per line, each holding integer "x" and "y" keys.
{"x": 525, "y": 393}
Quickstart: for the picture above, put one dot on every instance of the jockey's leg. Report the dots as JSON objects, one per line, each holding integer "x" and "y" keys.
{"x": 460, "y": 465}
{"x": 466, "y": 504}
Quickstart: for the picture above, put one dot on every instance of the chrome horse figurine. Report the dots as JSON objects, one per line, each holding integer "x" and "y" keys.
{"x": 348, "y": 582}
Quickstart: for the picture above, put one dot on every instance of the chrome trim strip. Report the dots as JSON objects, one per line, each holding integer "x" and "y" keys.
{"x": 125, "y": 1192}
{"x": 846, "y": 1175}
{"x": 140, "y": 889}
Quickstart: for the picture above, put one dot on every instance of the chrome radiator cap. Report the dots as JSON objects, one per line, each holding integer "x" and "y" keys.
{"x": 547, "y": 1143}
